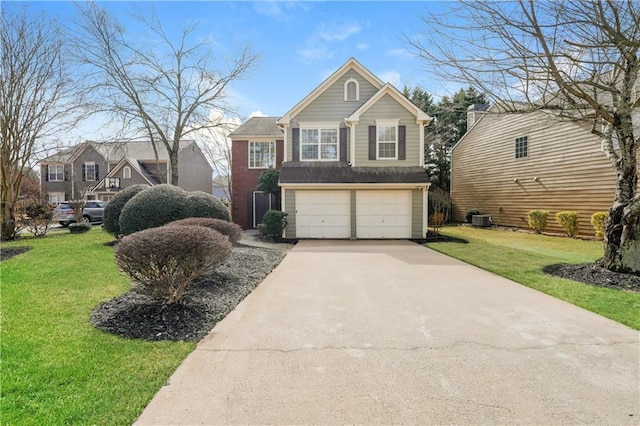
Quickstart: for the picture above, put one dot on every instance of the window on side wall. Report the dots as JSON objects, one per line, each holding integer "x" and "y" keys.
{"x": 56, "y": 173}
{"x": 90, "y": 171}
{"x": 318, "y": 144}
{"x": 262, "y": 155}
{"x": 522, "y": 147}
{"x": 387, "y": 141}
{"x": 56, "y": 197}
{"x": 351, "y": 90}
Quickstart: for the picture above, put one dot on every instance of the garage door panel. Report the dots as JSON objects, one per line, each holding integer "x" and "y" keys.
{"x": 383, "y": 214}
{"x": 323, "y": 214}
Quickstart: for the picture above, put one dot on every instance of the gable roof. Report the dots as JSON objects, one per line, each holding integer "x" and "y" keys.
{"x": 388, "y": 89}
{"x": 258, "y": 126}
{"x": 140, "y": 150}
{"x": 351, "y": 64}
{"x": 341, "y": 172}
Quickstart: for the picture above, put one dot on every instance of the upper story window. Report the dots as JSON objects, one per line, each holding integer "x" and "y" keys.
{"x": 262, "y": 155}
{"x": 319, "y": 143}
{"x": 351, "y": 90}
{"x": 56, "y": 173}
{"x": 90, "y": 171}
{"x": 387, "y": 140}
{"x": 126, "y": 172}
{"x": 522, "y": 147}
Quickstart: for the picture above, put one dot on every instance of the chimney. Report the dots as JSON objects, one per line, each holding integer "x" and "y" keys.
{"x": 474, "y": 113}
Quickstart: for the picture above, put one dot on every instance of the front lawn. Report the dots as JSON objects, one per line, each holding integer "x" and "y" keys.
{"x": 56, "y": 367}
{"x": 521, "y": 256}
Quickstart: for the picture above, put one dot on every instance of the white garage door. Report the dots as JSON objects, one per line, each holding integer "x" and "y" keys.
{"x": 383, "y": 214}
{"x": 323, "y": 214}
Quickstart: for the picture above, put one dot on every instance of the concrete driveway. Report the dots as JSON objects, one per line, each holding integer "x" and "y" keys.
{"x": 371, "y": 332}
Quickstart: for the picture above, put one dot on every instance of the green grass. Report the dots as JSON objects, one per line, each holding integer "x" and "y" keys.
{"x": 521, "y": 256}
{"x": 56, "y": 367}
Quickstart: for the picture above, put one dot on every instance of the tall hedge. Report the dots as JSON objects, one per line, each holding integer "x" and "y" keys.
{"x": 111, "y": 218}
{"x": 201, "y": 204}
{"x": 153, "y": 207}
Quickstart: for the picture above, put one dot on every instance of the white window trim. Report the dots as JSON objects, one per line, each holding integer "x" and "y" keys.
{"x": 126, "y": 172}
{"x": 272, "y": 150}
{"x": 56, "y": 173}
{"x": 346, "y": 84}
{"x": 56, "y": 197}
{"x": 88, "y": 178}
{"x": 320, "y": 127}
{"x": 515, "y": 148}
{"x": 387, "y": 123}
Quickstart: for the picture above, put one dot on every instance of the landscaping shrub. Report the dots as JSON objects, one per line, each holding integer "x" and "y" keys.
{"x": 79, "y": 228}
{"x": 568, "y": 220}
{"x": 273, "y": 224}
{"x": 201, "y": 204}
{"x": 111, "y": 215}
{"x": 37, "y": 215}
{"x": 153, "y": 207}
{"x": 436, "y": 221}
{"x": 468, "y": 216}
{"x": 599, "y": 220}
{"x": 537, "y": 220}
{"x": 163, "y": 261}
{"x": 229, "y": 229}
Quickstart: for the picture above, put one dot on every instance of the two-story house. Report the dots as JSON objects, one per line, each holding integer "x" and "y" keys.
{"x": 353, "y": 161}
{"x": 97, "y": 170}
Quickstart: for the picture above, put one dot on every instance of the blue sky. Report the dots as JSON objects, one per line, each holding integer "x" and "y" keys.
{"x": 300, "y": 43}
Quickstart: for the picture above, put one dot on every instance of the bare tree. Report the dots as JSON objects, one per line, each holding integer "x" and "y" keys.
{"x": 160, "y": 88}
{"x": 578, "y": 58}
{"x": 36, "y": 98}
{"x": 216, "y": 146}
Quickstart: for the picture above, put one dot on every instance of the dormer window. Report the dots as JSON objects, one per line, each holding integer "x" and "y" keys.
{"x": 351, "y": 90}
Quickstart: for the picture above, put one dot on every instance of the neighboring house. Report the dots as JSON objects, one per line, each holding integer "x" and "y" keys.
{"x": 509, "y": 163}
{"x": 256, "y": 145}
{"x": 353, "y": 161}
{"x": 98, "y": 170}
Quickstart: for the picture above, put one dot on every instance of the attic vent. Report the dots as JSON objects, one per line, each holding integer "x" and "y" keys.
{"x": 351, "y": 90}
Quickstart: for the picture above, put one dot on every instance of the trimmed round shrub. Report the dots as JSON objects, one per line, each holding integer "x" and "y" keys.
{"x": 229, "y": 229}
{"x": 153, "y": 207}
{"x": 599, "y": 222}
{"x": 468, "y": 216}
{"x": 111, "y": 215}
{"x": 163, "y": 261}
{"x": 273, "y": 224}
{"x": 201, "y": 204}
{"x": 537, "y": 220}
{"x": 568, "y": 220}
{"x": 79, "y": 228}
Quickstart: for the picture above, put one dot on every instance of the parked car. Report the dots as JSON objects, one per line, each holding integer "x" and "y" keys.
{"x": 92, "y": 212}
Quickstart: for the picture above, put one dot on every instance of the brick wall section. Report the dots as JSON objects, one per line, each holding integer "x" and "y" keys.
{"x": 243, "y": 180}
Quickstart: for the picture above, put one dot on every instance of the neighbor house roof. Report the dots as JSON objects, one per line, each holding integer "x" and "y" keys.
{"x": 258, "y": 126}
{"x": 111, "y": 151}
{"x": 341, "y": 172}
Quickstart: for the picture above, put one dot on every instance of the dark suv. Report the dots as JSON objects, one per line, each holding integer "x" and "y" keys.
{"x": 92, "y": 212}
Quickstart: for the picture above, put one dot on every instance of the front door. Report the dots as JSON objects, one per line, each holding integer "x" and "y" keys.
{"x": 261, "y": 204}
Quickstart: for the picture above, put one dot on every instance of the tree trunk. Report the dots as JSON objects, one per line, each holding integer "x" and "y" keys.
{"x": 173, "y": 159}
{"x": 8, "y": 231}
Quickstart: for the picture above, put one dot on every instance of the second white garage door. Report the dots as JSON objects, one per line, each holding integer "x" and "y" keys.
{"x": 323, "y": 214}
{"x": 383, "y": 214}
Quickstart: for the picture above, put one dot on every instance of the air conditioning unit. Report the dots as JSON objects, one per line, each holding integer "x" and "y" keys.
{"x": 482, "y": 220}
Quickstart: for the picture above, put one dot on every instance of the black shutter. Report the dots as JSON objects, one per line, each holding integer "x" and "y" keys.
{"x": 84, "y": 172}
{"x": 372, "y": 142}
{"x": 295, "y": 140}
{"x": 97, "y": 173}
{"x": 343, "y": 144}
{"x": 66, "y": 173}
{"x": 402, "y": 142}
{"x": 46, "y": 173}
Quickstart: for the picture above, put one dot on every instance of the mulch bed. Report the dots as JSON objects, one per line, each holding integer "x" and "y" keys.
{"x": 9, "y": 252}
{"x": 595, "y": 275}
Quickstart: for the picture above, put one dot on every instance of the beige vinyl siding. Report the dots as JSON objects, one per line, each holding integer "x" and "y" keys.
{"x": 417, "y": 206}
{"x": 290, "y": 209}
{"x": 571, "y": 170}
{"x": 387, "y": 108}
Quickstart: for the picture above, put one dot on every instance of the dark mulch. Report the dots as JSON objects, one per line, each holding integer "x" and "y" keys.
{"x": 595, "y": 275}
{"x": 135, "y": 315}
{"x": 9, "y": 252}
{"x": 431, "y": 238}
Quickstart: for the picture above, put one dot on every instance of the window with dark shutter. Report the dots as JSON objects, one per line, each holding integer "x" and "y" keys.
{"x": 295, "y": 139}
{"x": 343, "y": 144}
{"x": 402, "y": 144}
{"x": 372, "y": 142}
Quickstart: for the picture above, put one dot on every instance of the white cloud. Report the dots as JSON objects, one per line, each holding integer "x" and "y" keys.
{"x": 280, "y": 11}
{"x": 391, "y": 76}
{"x": 362, "y": 46}
{"x": 337, "y": 31}
{"x": 311, "y": 54}
{"x": 398, "y": 52}
{"x": 324, "y": 41}
{"x": 257, "y": 114}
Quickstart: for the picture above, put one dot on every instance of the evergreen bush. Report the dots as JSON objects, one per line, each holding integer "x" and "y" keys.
{"x": 164, "y": 261}
{"x": 599, "y": 221}
{"x": 79, "y": 228}
{"x": 273, "y": 224}
{"x": 153, "y": 207}
{"x": 537, "y": 220}
{"x": 201, "y": 204}
{"x": 568, "y": 220}
{"x": 468, "y": 216}
{"x": 229, "y": 229}
{"x": 111, "y": 215}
